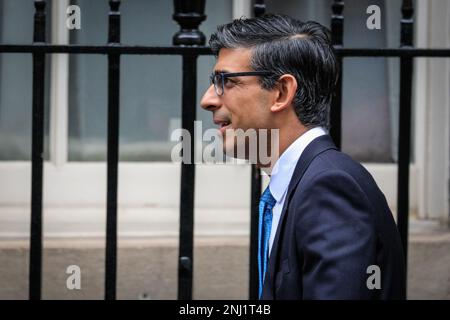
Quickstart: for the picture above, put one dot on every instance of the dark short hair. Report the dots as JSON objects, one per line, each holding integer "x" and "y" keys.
{"x": 284, "y": 45}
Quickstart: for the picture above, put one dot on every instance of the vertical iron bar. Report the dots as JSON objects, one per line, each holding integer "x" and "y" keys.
{"x": 189, "y": 15}
{"x": 37, "y": 155}
{"x": 259, "y": 9}
{"x": 186, "y": 258}
{"x": 337, "y": 35}
{"x": 113, "y": 152}
{"x": 404, "y": 148}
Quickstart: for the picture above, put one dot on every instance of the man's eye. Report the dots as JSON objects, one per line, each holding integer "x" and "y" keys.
{"x": 228, "y": 82}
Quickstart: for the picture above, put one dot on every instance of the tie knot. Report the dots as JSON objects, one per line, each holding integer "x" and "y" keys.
{"x": 268, "y": 198}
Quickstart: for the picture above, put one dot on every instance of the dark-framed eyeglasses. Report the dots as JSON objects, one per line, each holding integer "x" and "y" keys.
{"x": 219, "y": 78}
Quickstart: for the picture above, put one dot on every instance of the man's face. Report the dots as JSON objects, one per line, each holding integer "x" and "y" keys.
{"x": 244, "y": 103}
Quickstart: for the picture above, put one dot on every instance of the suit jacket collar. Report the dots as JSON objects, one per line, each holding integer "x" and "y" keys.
{"x": 284, "y": 168}
{"x": 316, "y": 147}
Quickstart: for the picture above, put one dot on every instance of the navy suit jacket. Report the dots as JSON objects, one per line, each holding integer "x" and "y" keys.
{"x": 335, "y": 223}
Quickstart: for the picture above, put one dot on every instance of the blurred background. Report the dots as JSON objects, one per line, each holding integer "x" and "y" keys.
{"x": 149, "y": 183}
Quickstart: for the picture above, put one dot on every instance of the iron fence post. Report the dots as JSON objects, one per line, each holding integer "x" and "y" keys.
{"x": 112, "y": 153}
{"x": 37, "y": 154}
{"x": 189, "y": 15}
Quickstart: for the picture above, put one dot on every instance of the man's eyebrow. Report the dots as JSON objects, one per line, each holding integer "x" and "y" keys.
{"x": 221, "y": 71}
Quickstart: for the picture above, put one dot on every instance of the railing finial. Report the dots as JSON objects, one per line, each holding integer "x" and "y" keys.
{"x": 114, "y": 5}
{"x": 407, "y": 24}
{"x": 114, "y": 22}
{"x": 337, "y": 23}
{"x": 39, "y": 21}
{"x": 189, "y": 14}
{"x": 259, "y": 8}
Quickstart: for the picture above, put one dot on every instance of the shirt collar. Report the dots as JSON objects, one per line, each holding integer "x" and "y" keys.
{"x": 284, "y": 167}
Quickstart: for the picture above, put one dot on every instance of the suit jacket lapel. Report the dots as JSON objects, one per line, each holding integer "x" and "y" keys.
{"x": 316, "y": 147}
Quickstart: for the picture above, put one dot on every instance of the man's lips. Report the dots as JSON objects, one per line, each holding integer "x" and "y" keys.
{"x": 223, "y": 124}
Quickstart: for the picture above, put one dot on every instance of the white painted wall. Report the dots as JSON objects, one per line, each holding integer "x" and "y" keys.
{"x": 432, "y": 104}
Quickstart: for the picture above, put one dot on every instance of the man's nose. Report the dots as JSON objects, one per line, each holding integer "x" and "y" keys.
{"x": 210, "y": 101}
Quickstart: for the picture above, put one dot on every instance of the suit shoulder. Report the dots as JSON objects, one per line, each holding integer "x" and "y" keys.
{"x": 338, "y": 164}
{"x": 335, "y": 176}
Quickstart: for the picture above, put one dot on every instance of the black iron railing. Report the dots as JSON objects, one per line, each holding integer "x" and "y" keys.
{"x": 189, "y": 43}
{"x": 113, "y": 152}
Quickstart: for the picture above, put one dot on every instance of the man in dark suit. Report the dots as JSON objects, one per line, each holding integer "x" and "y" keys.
{"x": 325, "y": 231}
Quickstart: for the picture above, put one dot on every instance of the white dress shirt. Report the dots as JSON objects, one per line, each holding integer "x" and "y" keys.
{"x": 282, "y": 173}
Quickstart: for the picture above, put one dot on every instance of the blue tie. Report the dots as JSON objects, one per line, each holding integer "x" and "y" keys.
{"x": 266, "y": 204}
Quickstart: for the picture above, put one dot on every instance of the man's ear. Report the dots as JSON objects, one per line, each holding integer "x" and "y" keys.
{"x": 285, "y": 92}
